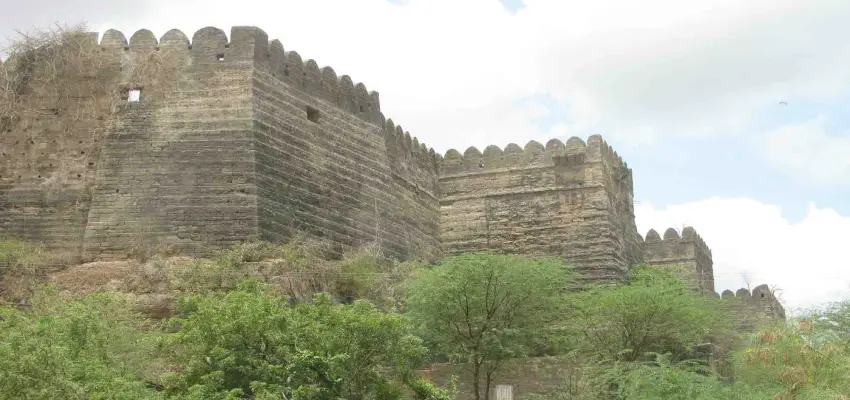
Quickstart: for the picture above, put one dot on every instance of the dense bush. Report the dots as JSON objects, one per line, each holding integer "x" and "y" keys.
{"x": 91, "y": 348}
{"x": 249, "y": 342}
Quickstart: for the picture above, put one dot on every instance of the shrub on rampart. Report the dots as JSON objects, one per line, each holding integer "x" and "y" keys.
{"x": 63, "y": 71}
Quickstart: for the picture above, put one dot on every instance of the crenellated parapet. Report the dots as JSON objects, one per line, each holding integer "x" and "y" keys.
{"x": 672, "y": 237}
{"x": 533, "y": 154}
{"x": 686, "y": 254}
{"x": 407, "y": 150}
{"x": 250, "y": 47}
{"x": 572, "y": 199}
{"x": 322, "y": 82}
{"x": 751, "y": 308}
{"x": 209, "y": 45}
{"x": 317, "y": 82}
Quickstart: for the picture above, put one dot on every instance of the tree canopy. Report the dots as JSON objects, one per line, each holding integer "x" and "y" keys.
{"x": 483, "y": 308}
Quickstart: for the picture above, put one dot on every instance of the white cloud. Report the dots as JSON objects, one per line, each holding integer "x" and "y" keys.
{"x": 681, "y": 68}
{"x": 447, "y": 70}
{"x": 806, "y": 260}
{"x": 808, "y": 151}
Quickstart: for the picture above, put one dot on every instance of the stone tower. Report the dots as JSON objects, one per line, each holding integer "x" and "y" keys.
{"x": 573, "y": 200}
{"x": 230, "y": 139}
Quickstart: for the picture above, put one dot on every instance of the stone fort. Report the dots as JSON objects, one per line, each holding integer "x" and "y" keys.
{"x": 200, "y": 144}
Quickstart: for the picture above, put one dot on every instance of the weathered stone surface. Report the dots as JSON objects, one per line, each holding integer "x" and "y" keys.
{"x": 573, "y": 201}
{"x": 752, "y": 308}
{"x": 235, "y": 138}
{"x": 687, "y": 255}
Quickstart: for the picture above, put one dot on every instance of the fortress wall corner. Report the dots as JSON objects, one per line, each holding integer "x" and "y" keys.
{"x": 568, "y": 199}
{"x": 175, "y": 173}
{"x": 330, "y": 165}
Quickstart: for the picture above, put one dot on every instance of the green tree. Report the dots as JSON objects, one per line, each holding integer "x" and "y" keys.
{"x": 655, "y": 313}
{"x": 91, "y": 348}
{"x": 484, "y": 308}
{"x": 251, "y": 342}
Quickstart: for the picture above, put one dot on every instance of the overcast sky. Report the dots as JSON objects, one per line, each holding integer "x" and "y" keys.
{"x": 733, "y": 114}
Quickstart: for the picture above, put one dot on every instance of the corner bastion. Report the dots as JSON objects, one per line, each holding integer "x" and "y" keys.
{"x": 573, "y": 200}
{"x": 231, "y": 139}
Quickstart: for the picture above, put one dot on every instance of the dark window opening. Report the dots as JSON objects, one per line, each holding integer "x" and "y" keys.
{"x": 313, "y": 114}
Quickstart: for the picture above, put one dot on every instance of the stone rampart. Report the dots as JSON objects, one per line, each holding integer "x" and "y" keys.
{"x": 753, "y": 308}
{"x": 232, "y": 138}
{"x": 687, "y": 255}
{"x": 573, "y": 200}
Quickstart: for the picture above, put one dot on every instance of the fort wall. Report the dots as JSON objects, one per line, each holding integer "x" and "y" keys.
{"x": 328, "y": 163}
{"x": 573, "y": 200}
{"x": 50, "y": 142}
{"x": 236, "y": 137}
{"x": 686, "y": 255}
{"x": 752, "y": 308}
{"x": 177, "y": 171}
{"x": 232, "y": 138}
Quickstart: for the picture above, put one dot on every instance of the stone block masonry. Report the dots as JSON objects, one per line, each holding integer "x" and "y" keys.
{"x": 572, "y": 200}
{"x": 179, "y": 172}
{"x": 687, "y": 255}
{"x": 236, "y": 138}
{"x": 752, "y": 308}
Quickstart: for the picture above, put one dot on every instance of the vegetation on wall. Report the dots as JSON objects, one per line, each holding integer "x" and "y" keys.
{"x": 63, "y": 70}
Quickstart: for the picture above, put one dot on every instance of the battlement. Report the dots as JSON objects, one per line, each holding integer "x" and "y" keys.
{"x": 759, "y": 293}
{"x": 400, "y": 142}
{"x": 687, "y": 255}
{"x": 236, "y": 136}
{"x": 671, "y": 236}
{"x": 250, "y": 46}
{"x": 753, "y": 307}
{"x": 534, "y": 154}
